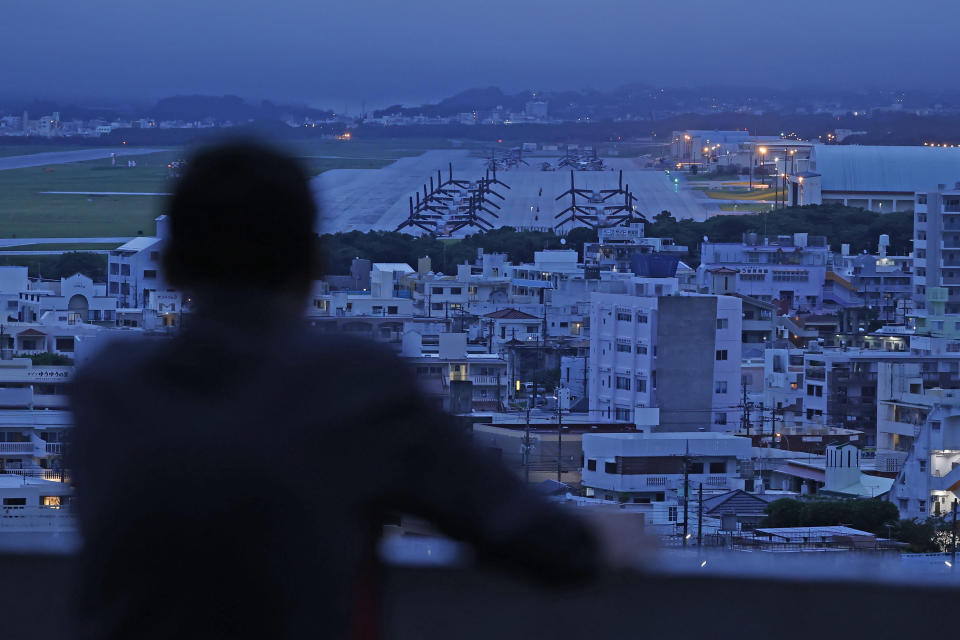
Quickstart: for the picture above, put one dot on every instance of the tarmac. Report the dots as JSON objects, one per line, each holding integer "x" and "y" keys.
{"x": 377, "y": 199}
{"x": 63, "y": 157}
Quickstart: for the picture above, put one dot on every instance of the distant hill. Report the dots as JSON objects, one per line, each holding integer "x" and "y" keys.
{"x": 232, "y": 108}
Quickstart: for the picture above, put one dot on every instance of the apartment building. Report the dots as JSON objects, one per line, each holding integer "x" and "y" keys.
{"x": 34, "y": 420}
{"x": 135, "y": 278}
{"x": 924, "y": 427}
{"x": 649, "y": 467}
{"x": 456, "y": 380}
{"x": 786, "y": 271}
{"x": 697, "y": 337}
{"x": 936, "y": 275}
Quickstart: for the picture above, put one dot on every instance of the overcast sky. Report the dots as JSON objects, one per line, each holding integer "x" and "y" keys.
{"x": 342, "y": 52}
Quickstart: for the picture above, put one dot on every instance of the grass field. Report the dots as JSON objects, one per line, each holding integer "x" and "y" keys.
{"x": 756, "y": 194}
{"x": 747, "y": 208}
{"x": 26, "y": 213}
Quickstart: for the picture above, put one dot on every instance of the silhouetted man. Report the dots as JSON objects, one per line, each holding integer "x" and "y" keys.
{"x": 231, "y": 482}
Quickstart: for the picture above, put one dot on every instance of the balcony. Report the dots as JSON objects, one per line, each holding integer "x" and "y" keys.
{"x": 715, "y": 482}
{"x": 815, "y": 373}
{"x": 488, "y": 381}
{"x": 16, "y": 448}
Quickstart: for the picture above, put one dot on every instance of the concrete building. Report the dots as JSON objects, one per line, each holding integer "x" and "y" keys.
{"x": 34, "y": 418}
{"x": 649, "y": 467}
{"x": 928, "y": 481}
{"x": 936, "y": 274}
{"x": 786, "y": 271}
{"x": 135, "y": 279}
{"x": 455, "y": 380}
{"x": 696, "y": 337}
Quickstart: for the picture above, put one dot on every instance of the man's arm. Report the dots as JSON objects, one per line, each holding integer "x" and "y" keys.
{"x": 443, "y": 477}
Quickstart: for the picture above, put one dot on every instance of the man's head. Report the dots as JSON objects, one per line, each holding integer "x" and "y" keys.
{"x": 242, "y": 217}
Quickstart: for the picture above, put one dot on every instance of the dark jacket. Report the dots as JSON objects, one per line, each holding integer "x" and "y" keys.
{"x": 230, "y": 482}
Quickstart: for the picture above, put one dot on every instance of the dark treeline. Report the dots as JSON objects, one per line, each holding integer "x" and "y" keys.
{"x": 856, "y": 227}
{"x": 883, "y": 128}
{"x": 64, "y": 265}
{"x": 859, "y": 228}
{"x": 872, "y": 515}
{"x": 339, "y": 249}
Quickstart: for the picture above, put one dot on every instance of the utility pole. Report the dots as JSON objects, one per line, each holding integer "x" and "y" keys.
{"x": 686, "y": 489}
{"x": 526, "y": 448}
{"x": 953, "y": 546}
{"x": 744, "y": 419}
{"x": 559, "y": 440}
{"x": 700, "y": 516}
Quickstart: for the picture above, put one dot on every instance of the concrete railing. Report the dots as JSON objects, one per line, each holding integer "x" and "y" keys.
{"x": 429, "y": 603}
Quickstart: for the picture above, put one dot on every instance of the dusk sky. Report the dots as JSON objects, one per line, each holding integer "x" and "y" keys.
{"x": 383, "y": 51}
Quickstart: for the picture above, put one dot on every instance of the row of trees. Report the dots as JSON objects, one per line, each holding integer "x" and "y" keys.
{"x": 64, "y": 265}
{"x": 859, "y": 228}
{"x": 873, "y": 515}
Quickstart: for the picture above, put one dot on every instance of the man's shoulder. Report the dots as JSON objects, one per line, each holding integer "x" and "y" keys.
{"x": 344, "y": 350}
{"x": 118, "y": 360}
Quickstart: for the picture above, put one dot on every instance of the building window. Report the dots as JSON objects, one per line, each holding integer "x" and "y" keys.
{"x": 437, "y": 291}
{"x": 718, "y": 467}
{"x": 124, "y": 269}
{"x": 622, "y": 414}
{"x": 391, "y": 311}
{"x": 610, "y": 467}
{"x": 642, "y": 317}
{"x": 623, "y": 348}
{"x": 642, "y": 348}
{"x": 623, "y": 383}
{"x": 720, "y": 387}
{"x": 695, "y": 468}
{"x": 455, "y": 291}
{"x": 591, "y": 465}
{"x": 723, "y": 323}
{"x": 923, "y": 465}
{"x": 641, "y": 385}
{"x": 65, "y": 345}
{"x": 149, "y": 274}
{"x": 114, "y": 269}
{"x": 672, "y": 514}
{"x": 722, "y": 354}
{"x": 436, "y": 306}
{"x": 719, "y": 418}
{"x": 624, "y": 316}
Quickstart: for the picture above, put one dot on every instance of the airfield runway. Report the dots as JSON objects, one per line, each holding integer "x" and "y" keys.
{"x": 377, "y": 199}
{"x": 61, "y": 157}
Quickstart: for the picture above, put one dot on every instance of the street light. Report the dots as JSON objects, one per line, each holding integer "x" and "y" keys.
{"x": 763, "y": 153}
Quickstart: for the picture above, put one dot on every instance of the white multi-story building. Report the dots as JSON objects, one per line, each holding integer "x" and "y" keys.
{"x": 134, "y": 269}
{"x": 929, "y": 477}
{"x": 787, "y": 271}
{"x": 33, "y": 417}
{"x": 936, "y": 273}
{"x": 695, "y": 337}
{"x": 456, "y": 380}
{"x": 649, "y": 467}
